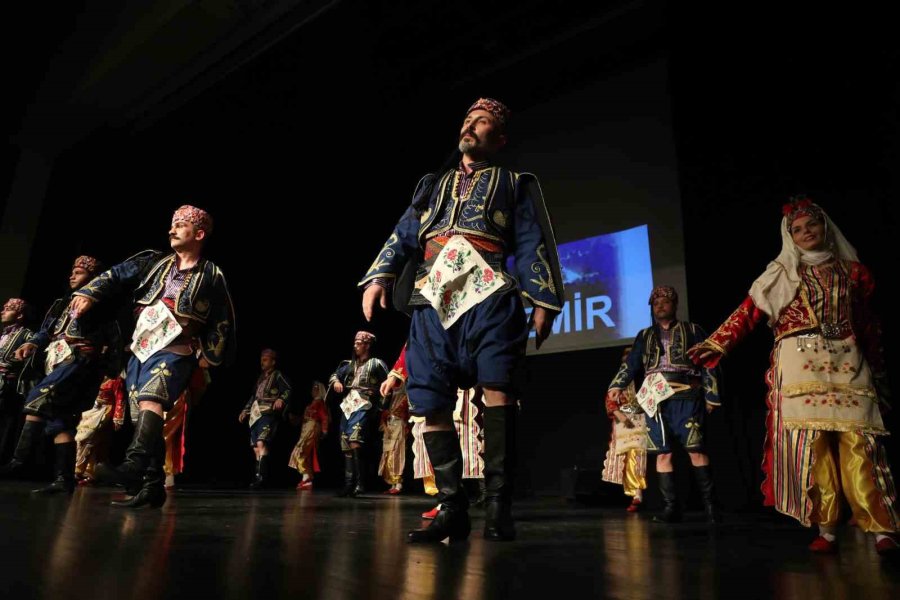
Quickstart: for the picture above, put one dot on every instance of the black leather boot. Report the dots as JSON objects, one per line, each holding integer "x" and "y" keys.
{"x": 147, "y": 432}
{"x": 153, "y": 484}
{"x": 480, "y": 494}
{"x": 358, "y": 466}
{"x": 64, "y": 468}
{"x": 707, "y": 492}
{"x": 262, "y": 473}
{"x": 499, "y": 471}
{"x": 671, "y": 511}
{"x": 453, "y": 519}
{"x": 349, "y": 477}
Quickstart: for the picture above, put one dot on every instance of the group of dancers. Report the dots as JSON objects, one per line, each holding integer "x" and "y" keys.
{"x": 137, "y": 341}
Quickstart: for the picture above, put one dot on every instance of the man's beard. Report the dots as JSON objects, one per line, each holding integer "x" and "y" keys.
{"x": 466, "y": 146}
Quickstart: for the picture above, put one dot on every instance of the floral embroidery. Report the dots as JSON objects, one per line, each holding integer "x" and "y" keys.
{"x": 828, "y": 366}
{"x": 455, "y": 260}
{"x": 459, "y": 279}
{"x": 832, "y": 399}
{"x": 482, "y": 279}
{"x": 451, "y": 302}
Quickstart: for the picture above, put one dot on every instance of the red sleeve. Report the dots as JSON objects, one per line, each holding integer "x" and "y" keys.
{"x": 322, "y": 415}
{"x": 735, "y": 328}
{"x": 119, "y": 404}
{"x": 611, "y": 405}
{"x": 399, "y": 369}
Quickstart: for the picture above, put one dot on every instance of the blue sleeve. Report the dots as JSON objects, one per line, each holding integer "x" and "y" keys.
{"x": 632, "y": 365}
{"x": 537, "y": 264}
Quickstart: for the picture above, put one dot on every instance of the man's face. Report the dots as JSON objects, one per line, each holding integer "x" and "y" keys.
{"x": 9, "y": 316}
{"x": 184, "y": 235}
{"x": 663, "y": 309}
{"x": 267, "y": 362}
{"x": 78, "y": 278}
{"x": 480, "y": 135}
{"x": 360, "y": 348}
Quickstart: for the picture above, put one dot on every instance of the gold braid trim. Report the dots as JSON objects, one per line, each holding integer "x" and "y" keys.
{"x": 830, "y": 425}
{"x": 816, "y": 387}
{"x": 708, "y": 344}
{"x": 541, "y": 304}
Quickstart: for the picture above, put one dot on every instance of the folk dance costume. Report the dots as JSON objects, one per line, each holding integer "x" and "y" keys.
{"x": 94, "y": 433}
{"x": 468, "y": 320}
{"x": 626, "y": 458}
{"x": 305, "y": 457}
{"x": 421, "y": 465}
{"x": 826, "y": 379}
{"x": 659, "y": 360}
{"x": 175, "y": 424}
{"x": 360, "y": 379}
{"x": 262, "y": 415}
{"x": 178, "y": 312}
{"x": 466, "y": 421}
{"x": 394, "y": 427}
{"x": 13, "y": 386}
{"x": 72, "y": 374}
{"x": 422, "y": 468}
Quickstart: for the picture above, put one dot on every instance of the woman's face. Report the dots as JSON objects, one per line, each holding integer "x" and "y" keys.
{"x": 808, "y": 233}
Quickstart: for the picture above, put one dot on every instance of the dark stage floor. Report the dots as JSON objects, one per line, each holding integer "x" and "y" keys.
{"x": 224, "y": 544}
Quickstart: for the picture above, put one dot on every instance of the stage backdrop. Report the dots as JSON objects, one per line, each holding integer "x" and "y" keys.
{"x": 605, "y": 158}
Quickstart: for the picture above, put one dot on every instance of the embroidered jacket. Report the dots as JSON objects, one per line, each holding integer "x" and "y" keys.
{"x": 203, "y": 298}
{"x": 11, "y": 338}
{"x": 648, "y": 354}
{"x": 365, "y": 377}
{"x": 274, "y": 387}
{"x": 800, "y": 317}
{"x": 502, "y": 215}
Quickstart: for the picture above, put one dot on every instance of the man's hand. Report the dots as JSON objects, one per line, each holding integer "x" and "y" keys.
{"x": 389, "y": 384}
{"x": 543, "y": 323}
{"x": 338, "y": 387}
{"x": 616, "y": 395}
{"x": 623, "y": 419}
{"x": 203, "y": 363}
{"x": 25, "y": 350}
{"x": 278, "y": 405}
{"x": 711, "y": 407}
{"x": 372, "y": 295}
{"x": 80, "y": 305}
